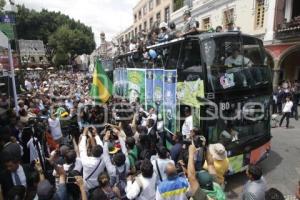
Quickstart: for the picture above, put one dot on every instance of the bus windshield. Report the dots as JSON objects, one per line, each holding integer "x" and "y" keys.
{"x": 235, "y": 62}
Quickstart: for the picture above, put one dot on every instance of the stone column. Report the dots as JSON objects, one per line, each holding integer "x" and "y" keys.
{"x": 269, "y": 36}
{"x": 276, "y": 72}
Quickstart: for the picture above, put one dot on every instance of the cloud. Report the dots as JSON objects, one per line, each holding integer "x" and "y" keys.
{"x": 109, "y": 16}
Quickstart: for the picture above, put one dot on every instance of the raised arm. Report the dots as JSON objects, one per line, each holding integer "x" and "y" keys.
{"x": 133, "y": 123}
{"x": 108, "y": 164}
{"x": 76, "y": 147}
{"x": 122, "y": 142}
{"x": 39, "y": 169}
{"x": 82, "y": 144}
{"x": 194, "y": 185}
{"x": 97, "y": 138}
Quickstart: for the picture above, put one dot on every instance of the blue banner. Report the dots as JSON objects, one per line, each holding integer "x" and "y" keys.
{"x": 120, "y": 82}
{"x": 149, "y": 89}
{"x": 170, "y": 77}
{"x": 7, "y": 19}
{"x": 158, "y": 89}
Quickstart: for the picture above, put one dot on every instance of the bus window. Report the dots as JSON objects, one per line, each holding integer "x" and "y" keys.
{"x": 234, "y": 63}
{"x": 171, "y": 55}
{"x": 189, "y": 64}
{"x": 243, "y": 125}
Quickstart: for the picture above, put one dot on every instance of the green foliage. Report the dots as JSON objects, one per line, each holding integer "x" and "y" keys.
{"x": 178, "y": 4}
{"x": 57, "y": 30}
{"x": 2, "y": 4}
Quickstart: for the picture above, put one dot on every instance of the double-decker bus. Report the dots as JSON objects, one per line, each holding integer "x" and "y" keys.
{"x": 225, "y": 79}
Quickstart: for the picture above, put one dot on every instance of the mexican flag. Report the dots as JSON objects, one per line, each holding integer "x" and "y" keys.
{"x": 102, "y": 86}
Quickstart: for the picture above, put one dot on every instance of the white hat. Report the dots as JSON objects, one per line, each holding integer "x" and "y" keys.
{"x": 163, "y": 25}
{"x": 218, "y": 151}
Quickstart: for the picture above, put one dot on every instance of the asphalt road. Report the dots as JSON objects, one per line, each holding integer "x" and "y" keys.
{"x": 281, "y": 169}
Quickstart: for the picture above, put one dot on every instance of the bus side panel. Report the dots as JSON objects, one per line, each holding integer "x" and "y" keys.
{"x": 240, "y": 162}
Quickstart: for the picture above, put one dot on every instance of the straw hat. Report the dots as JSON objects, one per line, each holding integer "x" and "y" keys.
{"x": 218, "y": 151}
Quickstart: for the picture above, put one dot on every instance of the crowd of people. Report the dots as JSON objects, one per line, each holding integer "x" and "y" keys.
{"x": 286, "y": 100}
{"x": 163, "y": 32}
{"x": 57, "y": 144}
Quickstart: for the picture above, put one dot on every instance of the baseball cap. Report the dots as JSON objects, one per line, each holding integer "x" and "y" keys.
{"x": 112, "y": 148}
{"x": 163, "y": 25}
{"x": 205, "y": 180}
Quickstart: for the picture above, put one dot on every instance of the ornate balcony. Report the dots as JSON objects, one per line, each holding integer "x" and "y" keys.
{"x": 289, "y": 30}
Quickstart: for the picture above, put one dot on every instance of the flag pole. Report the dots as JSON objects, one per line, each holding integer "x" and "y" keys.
{"x": 13, "y": 78}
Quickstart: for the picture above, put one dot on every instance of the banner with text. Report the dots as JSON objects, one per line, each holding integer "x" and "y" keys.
{"x": 136, "y": 85}
{"x": 170, "y": 78}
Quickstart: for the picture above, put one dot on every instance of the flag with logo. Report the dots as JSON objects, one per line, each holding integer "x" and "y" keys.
{"x": 102, "y": 87}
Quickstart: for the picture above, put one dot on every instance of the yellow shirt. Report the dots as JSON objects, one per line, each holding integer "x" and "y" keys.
{"x": 221, "y": 167}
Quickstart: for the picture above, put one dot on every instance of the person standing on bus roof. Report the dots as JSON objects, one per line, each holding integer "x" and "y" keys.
{"x": 187, "y": 126}
{"x": 287, "y": 110}
{"x": 189, "y": 25}
{"x": 164, "y": 32}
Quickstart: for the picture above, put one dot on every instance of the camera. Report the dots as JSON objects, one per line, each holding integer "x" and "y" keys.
{"x": 198, "y": 140}
{"x": 71, "y": 180}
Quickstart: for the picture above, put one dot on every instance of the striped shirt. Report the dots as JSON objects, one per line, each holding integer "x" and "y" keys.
{"x": 175, "y": 188}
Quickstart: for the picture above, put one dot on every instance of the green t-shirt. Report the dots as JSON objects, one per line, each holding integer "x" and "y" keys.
{"x": 199, "y": 195}
{"x": 217, "y": 193}
{"x": 133, "y": 155}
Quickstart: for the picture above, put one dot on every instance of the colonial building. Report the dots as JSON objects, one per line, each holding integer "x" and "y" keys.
{"x": 33, "y": 53}
{"x": 148, "y": 12}
{"x": 250, "y": 16}
{"x": 284, "y": 49}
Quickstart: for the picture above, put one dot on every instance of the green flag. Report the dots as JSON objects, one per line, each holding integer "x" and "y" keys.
{"x": 102, "y": 88}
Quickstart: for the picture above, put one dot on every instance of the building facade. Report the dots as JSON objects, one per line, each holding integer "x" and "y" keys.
{"x": 284, "y": 49}
{"x": 148, "y": 12}
{"x": 250, "y": 16}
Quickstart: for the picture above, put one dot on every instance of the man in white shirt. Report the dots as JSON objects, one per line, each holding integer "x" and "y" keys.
{"x": 31, "y": 145}
{"x": 160, "y": 162}
{"x": 121, "y": 167}
{"x": 287, "y": 110}
{"x": 55, "y": 127}
{"x": 28, "y": 85}
{"x": 187, "y": 126}
{"x": 92, "y": 165}
{"x": 143, "y": 186}
{"x": 237, "y": 60}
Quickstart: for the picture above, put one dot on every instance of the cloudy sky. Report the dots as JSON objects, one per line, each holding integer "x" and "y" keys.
{"x": 110, "y": 16}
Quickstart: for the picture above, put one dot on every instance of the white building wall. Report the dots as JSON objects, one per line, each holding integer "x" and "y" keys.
{"x": 244, "y": 16}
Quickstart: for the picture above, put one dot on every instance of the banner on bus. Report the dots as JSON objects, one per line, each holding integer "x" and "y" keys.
{"x": 136, "y": 85}
{"x": 149, "y": 89}
{"x": 169, "y": 117}
{"x": 158, "y": 90}
{"x": 120, "y": 82}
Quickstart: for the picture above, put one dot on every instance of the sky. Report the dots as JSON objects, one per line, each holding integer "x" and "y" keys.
{"x": 109, "y": 16}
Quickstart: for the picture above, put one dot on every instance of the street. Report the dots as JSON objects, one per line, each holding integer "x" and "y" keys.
{"x": 281, "y": 169}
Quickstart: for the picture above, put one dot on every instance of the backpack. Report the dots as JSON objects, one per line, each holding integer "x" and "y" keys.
{"x": 121, "y": 182}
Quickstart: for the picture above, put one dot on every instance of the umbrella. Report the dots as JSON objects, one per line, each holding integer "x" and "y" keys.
{"x": 29, "y": 69}
{"x": 38, "y": 68}
{"x": 51, "y": 68}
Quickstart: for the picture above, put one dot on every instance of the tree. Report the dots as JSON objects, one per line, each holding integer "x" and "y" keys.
{"x": 63, "y": 34}
{"x": 65, "y": 40}
{"x": 2, "y": 4}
